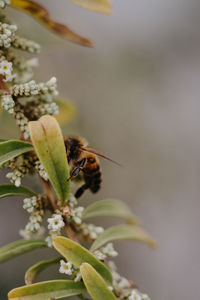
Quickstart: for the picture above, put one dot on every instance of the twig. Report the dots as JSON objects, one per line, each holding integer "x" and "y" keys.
{"x": 70, "y": 233}
{"x": 49, "y": 193}
{"x": 3, "y": 85}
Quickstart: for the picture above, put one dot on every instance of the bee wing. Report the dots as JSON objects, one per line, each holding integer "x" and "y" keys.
{"x": 90, "y": 150}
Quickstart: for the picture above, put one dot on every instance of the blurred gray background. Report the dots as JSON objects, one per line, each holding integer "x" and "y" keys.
{"x": 137, "y": 94}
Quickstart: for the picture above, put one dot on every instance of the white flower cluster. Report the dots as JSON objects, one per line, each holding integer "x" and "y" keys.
{"x": 7, "y": 33}
{"x": 49, "y": 108}
{"x": 26, "y": 45}
{"x": 136, "y": 295}
{"x": 4, "y": 3}
{"x": 26, "y": 234}
{"x": 30, "y": 204}
{"x": 72, "y": 200}
{"x": 15, "y": 177}
{"x": 39, "y": 167}
{"x": 6, "y": 70}
{"x": 91, "y": 230}
{"x": 8, "y": 103}
{"x": 109, "y": 250}
{"x": 106, "y": 251}
{"x": 76, "y": 214}
{"x": 65, "y": 267}
{"x": 122, "y": 286}
{"x": 31, "y": 88}
{"x": 22, "y": 122}
{"x": 32, "y": 63}
{"x": 34, "y": 223}
{"x": 25, "y": 69}
{"x": 56, "y": 223}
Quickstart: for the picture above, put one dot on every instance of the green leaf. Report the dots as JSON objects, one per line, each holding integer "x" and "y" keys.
{"x": 40, "y": 13}
{"x": 122, "y": 232}
{"x": 2, "y": 140}
{"x": 96, "y": 286}
{"x": 46, "y": 290}
{"x": 33, "y": 271}
{"x": 101, "y": 6}
{"x": 110, "y": 208}
{"x": 49, "y": 146}
{"x": 11, "y": 190}
{"x": 77, "y": 255}
{"x": 20, "y": 247}
{"x": 12, "y": 148}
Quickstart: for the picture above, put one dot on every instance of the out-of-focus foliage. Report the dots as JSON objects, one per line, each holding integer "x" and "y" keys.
{"x": 54, "y": 289}
{"x": 109, "y": 208}
{"x": 20, "y": 247}
{"x": 12, "y": 148}
{"x": 7, "y": 190}
{"x": 122, "y": 232}
{"x": 42, "y": 15}
{"x": 102, "y": 6}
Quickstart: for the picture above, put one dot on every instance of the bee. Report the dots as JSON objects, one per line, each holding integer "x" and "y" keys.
{"x": 85, "y": 160}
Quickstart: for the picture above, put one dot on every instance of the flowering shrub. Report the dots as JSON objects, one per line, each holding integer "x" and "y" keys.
{"x": 41, "y": 151}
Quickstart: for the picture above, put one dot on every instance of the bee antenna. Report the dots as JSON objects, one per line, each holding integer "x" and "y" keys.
{"x": 90, "y": 150}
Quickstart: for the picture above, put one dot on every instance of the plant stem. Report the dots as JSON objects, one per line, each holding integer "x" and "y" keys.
{"x": 70, "y": 233}
{"x": 3, "y": 85}
{"x": 49, "y": 193}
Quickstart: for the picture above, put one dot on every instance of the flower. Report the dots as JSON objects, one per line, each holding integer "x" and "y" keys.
{"x": 92, "y": 230}
{"x": 8, "y": 103}
{"x": 5, "y": 67}
{"x": 134, "y": 295}
{"x": 76, "y": 214}
{"x": 109, "y": 250}
{"x": 9, "y": 77}
{"x": 55, "y": 223}
{"x": 65, "y": 268}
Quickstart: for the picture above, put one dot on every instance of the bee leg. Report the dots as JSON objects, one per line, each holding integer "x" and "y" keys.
{"x": 75, "y": 172}
{"x": 81, "y": 190}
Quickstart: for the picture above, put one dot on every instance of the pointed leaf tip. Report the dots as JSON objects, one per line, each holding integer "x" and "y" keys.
{"x": 122, "y": 232}
{"x": 100, "y": 6}
{"x": 40, "y": 13}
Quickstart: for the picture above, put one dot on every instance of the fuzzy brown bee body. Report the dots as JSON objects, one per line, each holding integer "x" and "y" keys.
{"x": 82, "y": 160}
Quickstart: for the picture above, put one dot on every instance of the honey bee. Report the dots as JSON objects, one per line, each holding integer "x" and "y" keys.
{"x": 85, "y": 160}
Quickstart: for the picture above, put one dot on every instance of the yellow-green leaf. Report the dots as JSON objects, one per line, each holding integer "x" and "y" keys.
{"x": 42, "y": 15}
{"x": 33, "y": 271}
{"x": 101, "y": 6}
{"x": 49, "y": 145}
{"x": 67, "y": 111}
{"x": 77, "y": 255}
{"x": 47, "y": 290}
{"x": 110, "y": 208}
{"x": 122, "y": 232}
{"x": 12, "y": 190}
{"x": 96, "y": 286}
{"x": 20, "y": 247}
{"x": 12, "y": 148}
